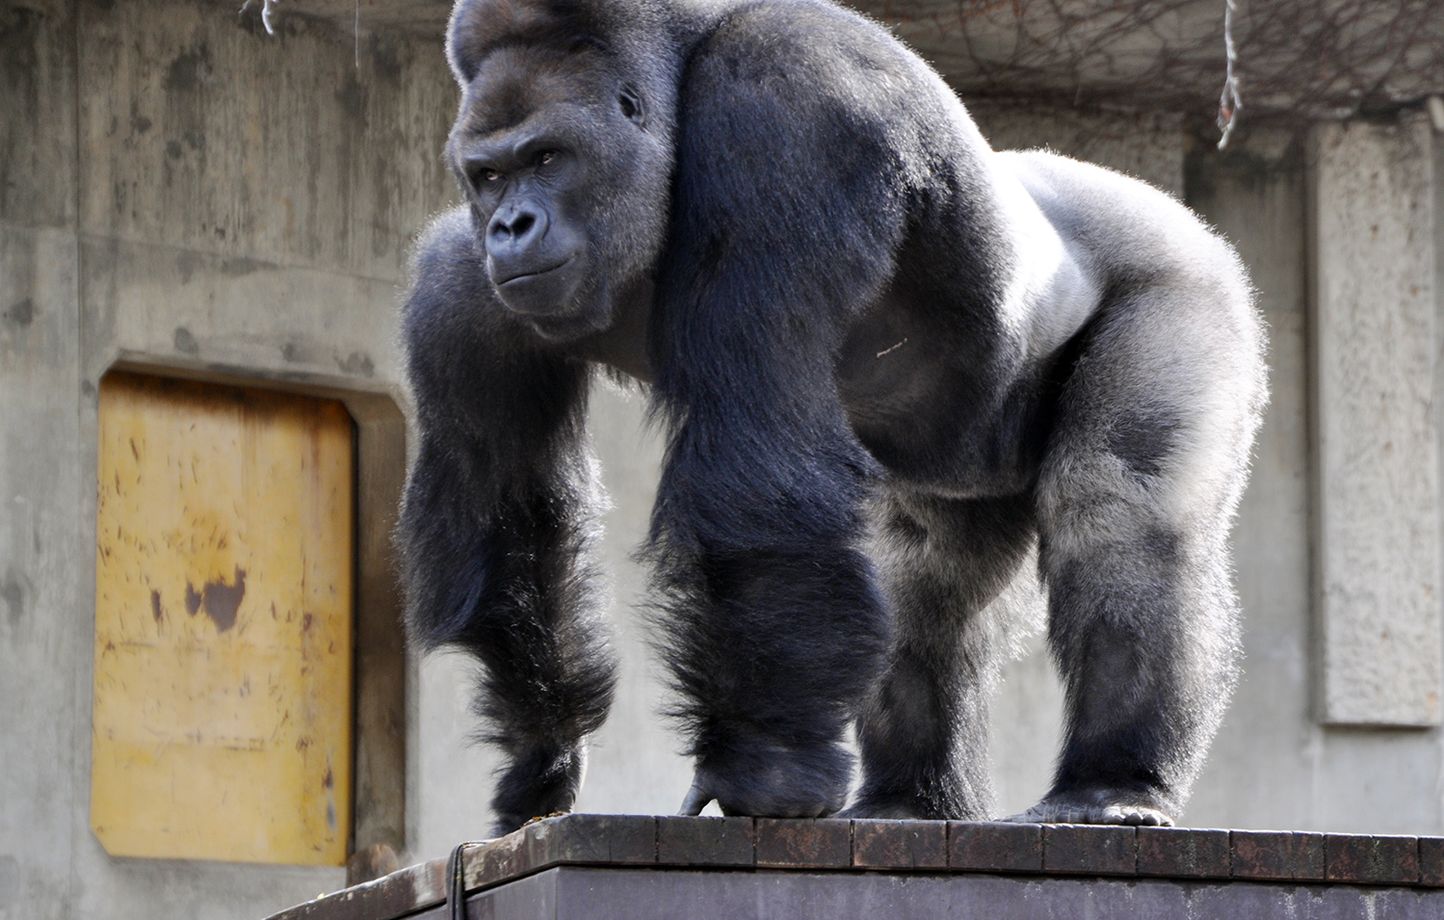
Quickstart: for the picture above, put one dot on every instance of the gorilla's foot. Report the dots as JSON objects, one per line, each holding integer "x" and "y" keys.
{"x": 912, "y": 807}
{"x": 1099, "y": 806}
{"x": 892, "y": 809}
{"x": 772, "y": 782}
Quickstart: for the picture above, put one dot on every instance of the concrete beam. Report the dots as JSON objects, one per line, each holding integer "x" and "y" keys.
{"x": 1378, "y": 546}
{"x": 1159, "y": 56}
{"x": 293, "y": 149}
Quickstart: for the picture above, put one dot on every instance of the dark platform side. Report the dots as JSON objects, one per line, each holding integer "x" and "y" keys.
{"x": 638, "y": 868}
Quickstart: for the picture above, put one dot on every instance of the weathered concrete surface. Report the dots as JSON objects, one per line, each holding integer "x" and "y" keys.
{"x": 37, "y": 99}
{"x": 45, "y": 622}
{"x": 296, "y": 149}
{"x": 44, "y": 611}
{"x": 1378, "y": 432}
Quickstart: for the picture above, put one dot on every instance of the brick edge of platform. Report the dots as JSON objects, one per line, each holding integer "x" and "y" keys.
{"x": 937, "y": 847}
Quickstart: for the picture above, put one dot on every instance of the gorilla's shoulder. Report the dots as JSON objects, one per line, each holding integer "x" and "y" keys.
{"x": 446, "y": 247}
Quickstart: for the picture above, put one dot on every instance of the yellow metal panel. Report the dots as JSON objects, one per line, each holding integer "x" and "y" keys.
{"x": 222, "y": 723}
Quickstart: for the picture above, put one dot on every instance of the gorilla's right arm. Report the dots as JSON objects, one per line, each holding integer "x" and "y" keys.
{"x": 499, "y": 521}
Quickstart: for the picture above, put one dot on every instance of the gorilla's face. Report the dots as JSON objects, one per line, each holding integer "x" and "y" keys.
{"x": 568, "y": 187}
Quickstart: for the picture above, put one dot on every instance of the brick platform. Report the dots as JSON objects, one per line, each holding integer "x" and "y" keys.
{"x": 639, "y": 868}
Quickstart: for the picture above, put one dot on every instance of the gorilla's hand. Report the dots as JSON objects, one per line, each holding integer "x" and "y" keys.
{"x": 772, "y": 780}
{"x": 541, "y": 782}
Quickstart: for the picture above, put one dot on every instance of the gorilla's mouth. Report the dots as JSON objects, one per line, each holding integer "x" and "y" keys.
{"x": 522, "y": 276}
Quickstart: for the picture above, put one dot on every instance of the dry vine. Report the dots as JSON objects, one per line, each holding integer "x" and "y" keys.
{"x": 1292, "y": 58}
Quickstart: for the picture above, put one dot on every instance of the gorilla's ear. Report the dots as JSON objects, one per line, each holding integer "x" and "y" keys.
{"x": 632, "y": 106}
{"x": 477, "y": 26}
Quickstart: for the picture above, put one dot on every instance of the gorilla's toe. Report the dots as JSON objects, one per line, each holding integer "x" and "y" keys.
{"x": 1095, "y": 808}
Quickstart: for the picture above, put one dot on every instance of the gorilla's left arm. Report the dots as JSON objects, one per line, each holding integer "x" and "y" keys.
{"x": 783, "y": 229}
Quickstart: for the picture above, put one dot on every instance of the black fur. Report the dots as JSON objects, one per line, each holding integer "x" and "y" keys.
{"x": 888, "y": 360}
{"x": 498, "y": 527}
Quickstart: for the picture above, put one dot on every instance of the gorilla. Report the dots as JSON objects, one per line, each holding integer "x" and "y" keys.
{"x": 900, "y": 373}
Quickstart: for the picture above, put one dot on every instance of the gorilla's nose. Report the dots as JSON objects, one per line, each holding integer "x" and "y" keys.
{"x": 516, "y": 231}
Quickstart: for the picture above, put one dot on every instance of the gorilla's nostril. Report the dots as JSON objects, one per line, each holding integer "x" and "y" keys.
{"x": 516, "y": 227}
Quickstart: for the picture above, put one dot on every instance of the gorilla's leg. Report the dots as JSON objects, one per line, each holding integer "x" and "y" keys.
{"x": 1139, "y": 486}
{"x": 924, "y": 733}
{"x": 498, "y": 525}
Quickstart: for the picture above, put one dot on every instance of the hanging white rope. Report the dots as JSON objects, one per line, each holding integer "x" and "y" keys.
{"x": 1230, "y": 100}
{"x": 265, "y": 13}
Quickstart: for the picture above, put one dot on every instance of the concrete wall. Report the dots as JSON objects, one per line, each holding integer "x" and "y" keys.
{"x": 181, "y": 191}
{"x": 178, "y": 191}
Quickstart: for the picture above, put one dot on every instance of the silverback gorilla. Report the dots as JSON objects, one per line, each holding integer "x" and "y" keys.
{"x": 892, "y": 364}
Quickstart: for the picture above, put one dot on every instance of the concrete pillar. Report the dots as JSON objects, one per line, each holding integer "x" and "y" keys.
{"x": 1378, "y": 525}
{"x": 44, "y": 610}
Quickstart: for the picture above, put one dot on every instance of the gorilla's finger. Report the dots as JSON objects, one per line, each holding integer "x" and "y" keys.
{"x": 696, "y": 801}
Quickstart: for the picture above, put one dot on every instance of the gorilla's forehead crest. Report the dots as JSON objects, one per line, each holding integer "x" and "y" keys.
{"x": 479, "y": 27}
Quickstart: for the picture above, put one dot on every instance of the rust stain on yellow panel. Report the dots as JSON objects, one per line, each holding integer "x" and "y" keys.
{"x": 222, "y": 722}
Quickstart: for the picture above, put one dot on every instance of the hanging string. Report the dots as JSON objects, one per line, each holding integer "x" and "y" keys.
{"x": 1230, "y": 101}
{"x": 266, "y": 6}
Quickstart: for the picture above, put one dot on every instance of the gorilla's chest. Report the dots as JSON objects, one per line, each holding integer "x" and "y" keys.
{"x": 939, "y": 404}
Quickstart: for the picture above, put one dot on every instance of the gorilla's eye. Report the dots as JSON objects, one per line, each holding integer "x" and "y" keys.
{"x": 545, "y": 157}
{"x": 488, "y": 175}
